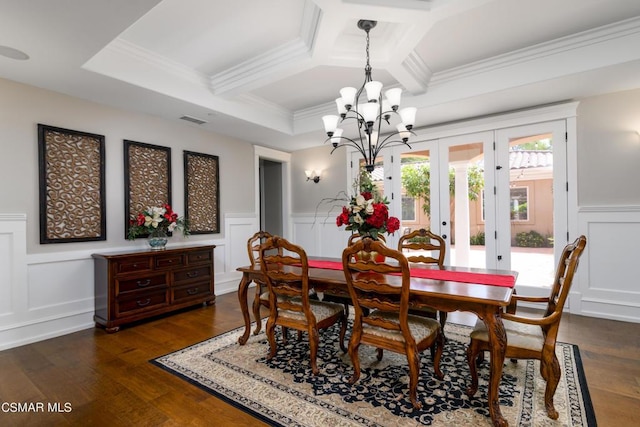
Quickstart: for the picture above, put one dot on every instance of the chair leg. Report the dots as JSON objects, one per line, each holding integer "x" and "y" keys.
{"x": 379, "y": 355}
{"x": 354, "y": 345}
{"x": 550, "y": 371}
{"x": 343, "y": 332}
{"x": 414, "y": 372}
{"x": 436, "y": 359}
{"x": 443, "y": 320}
{"x": 314, "y": 342}
{"x": 472, "y": 360}
{"x": 271, "y": 336}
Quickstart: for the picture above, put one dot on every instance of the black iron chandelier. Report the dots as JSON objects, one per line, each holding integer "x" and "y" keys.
{"x": 369, "y": 113}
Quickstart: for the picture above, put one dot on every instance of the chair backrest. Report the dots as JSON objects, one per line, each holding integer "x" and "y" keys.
{"x": 355, "y": 237}
{"x": 253, "y": 246}
{"x": 368, "y": 286}
{"x": 565, "y": 271}
{"x": 423, "y": 240}
{"x": 285, "y": 268}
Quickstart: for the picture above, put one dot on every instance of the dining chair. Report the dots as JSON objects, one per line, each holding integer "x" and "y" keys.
{"x": 386, "y": 322}
{"x": 346, "y": 299}
{"x": 414, "y": 245}
{"x": 533, "y": 337}
{"x": 261, "y": 297}
{"x": 285, "y": 268}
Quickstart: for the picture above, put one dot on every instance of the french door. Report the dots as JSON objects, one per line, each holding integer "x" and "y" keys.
{"x": 498, "y": 197}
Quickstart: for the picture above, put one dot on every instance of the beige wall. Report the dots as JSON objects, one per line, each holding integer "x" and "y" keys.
{"x": 22, "y": 107}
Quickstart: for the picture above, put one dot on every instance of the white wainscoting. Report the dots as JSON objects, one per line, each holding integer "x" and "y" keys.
{"x": 319, "y": 236}
{"x": 608, "y": 283}
{"x": 48, "y": 295}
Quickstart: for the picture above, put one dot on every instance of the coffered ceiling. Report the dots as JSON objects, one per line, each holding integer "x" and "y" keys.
{"x": 267, "y": 70}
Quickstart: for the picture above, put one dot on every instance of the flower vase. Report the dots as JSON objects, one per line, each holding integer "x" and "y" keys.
{"x": 157, "y": 240}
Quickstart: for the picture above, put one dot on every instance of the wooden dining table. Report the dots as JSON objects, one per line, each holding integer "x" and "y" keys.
{"x": 485, "y": 292}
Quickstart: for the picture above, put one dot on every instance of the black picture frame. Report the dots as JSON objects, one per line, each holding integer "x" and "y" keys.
{"x": 71, "y": 168}
{"x": 202, "y": 192}
{"x": 147, "y": 178}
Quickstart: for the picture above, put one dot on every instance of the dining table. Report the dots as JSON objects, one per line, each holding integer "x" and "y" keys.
{"x": 485, "y": 292}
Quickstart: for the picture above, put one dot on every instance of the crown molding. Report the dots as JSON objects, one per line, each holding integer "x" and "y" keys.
{"x": 272, "y": 60}
{"x": 564, "y": 44}
{"x": 123, "y": 47}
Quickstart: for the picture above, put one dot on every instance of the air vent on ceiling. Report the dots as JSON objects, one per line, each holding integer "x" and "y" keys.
{"x": 193, "y": 120}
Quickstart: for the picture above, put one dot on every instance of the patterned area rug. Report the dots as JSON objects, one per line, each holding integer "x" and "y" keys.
{"x": 283, "y": 392}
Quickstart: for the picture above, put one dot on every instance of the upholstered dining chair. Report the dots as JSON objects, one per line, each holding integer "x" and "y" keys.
{"x": 414, "y": 245}
{"x": 533, "y": 338}
{"x": 387, "y": 324}
{"x": 285, "y": 268}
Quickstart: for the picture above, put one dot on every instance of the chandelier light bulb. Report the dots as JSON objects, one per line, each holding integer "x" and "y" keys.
{"x": 337, "y": 134}
{"x": 342, "y": 110}
{"x": 373, "y": 90}
{"x": 403, "y": 132}
{"x": 370, "y": 112}
{"x": 374, "y": 138}
{"x": 330, "y": 123}
{"x": 408, "y": 116}
{"x": 348, "y": 95}
{"x": 393, "y": 96}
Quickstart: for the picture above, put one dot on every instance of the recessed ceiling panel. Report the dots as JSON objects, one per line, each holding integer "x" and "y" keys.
{"x": 211, "y": 36}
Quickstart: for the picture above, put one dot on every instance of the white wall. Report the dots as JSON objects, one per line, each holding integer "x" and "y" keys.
{"x": 47, "y": 290}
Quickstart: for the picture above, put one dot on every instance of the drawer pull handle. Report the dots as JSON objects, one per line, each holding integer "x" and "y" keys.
{"x": 135, "y": 265}
{"x": 143, "y": 284}
{"x": 192, "y": 274}
{"x": 143, "y": 303}
{"x": 192, "y": 291}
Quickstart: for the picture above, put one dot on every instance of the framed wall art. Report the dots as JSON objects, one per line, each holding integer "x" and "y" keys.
{"x": 202, "y": 192}
{"x": 72, "y": 185}
{"x": 147, "y": 178}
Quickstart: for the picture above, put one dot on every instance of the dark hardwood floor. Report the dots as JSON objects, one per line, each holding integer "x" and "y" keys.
{"x": 106, "y": 379}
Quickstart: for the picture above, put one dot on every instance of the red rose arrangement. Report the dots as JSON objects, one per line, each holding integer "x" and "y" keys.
{"x": 366, "y": 216}
{"x": 155, "y": 219}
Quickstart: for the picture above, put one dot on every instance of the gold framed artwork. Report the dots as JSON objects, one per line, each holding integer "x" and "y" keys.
{"x": 147, "y": 178}
{"x": 201, "y": 192}
{"x": 71, "y": 182}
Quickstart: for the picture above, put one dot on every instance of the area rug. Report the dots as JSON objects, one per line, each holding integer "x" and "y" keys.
{"x": 283, "y": 392}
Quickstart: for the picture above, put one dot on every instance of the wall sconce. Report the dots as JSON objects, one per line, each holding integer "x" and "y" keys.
{"x": 313, "y": 176}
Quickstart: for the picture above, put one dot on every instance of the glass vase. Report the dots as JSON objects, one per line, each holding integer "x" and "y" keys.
{"x": 157, "y": 240}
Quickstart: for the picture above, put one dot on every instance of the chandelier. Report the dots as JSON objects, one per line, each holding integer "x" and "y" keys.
{"x": 369, "y": 113}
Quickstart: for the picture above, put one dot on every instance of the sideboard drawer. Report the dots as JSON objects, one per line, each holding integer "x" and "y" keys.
{"x": 140, "y": 283}
{"x": 191, "y": 275}
{"x": 130, "y": 265}
{"x": 197, "y": 291}
{"x": 200, "y": 257}
{"x": 141, "y": 302}
{"x": 172, "y": 261}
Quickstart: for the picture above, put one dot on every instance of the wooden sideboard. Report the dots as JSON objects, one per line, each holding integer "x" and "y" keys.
{"x": 135, "y": 285}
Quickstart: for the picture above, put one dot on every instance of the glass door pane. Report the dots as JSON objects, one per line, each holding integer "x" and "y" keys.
{"x": 531, "y": 208}
{"x": 532, "y": 200}
{"x": 415, "y": 177}
{"x": 464, "y": 186}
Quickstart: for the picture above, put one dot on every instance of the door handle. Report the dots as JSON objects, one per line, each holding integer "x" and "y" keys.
{"x": 444, "y": 222}
{"x": 444, "y": 236}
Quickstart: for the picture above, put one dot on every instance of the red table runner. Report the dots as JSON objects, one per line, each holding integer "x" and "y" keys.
{"x": 425, "y": 273}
